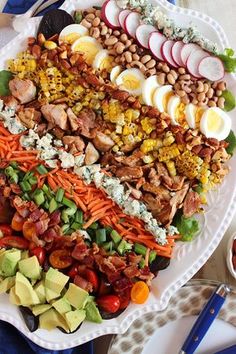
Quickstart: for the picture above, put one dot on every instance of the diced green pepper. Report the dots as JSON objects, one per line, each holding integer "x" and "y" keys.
{"x": 79, "y": 217}
{"x": 53, "y": 205}
{"x": 25, "y": 186}
{"x": 115, "y": 236}
{"x": 59, "y": 195}
{"x": 38, "y": 196}
{"x": 100, "y": 236}
{"x": 123, "y": 247}
{"x": 152, "y": 256}
{"x": 140, "y": 249}
{"x": 41, "y": 170}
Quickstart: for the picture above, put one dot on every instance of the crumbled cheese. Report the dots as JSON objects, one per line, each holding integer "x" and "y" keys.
{"x": 79, "y": 160}
{"x": 10, "y": 120}
{"x": 67, "y": 159}
{"x": 51, "y": 163}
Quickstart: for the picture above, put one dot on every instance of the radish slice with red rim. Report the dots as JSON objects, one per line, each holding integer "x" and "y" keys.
{"x": 132, "y": 21}
{"x": 156, "y": 40}
{"x": 176, "y": 52}
{"x": 122, "y": 16}
{"x": 142, "y": 34}
{"x": 187, "y": 50}
{"x": 211, "y": 68}
{"x": 194, "y": 60}
{"x": 110, "y": 14}
{"x": 166, "y": 52}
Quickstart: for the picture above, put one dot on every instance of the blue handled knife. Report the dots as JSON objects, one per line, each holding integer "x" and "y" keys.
{"x": 229, "y": 350}
{"x": 205, "y": 319}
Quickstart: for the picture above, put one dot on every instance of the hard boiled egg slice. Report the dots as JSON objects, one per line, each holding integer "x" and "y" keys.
{"x": 161, "y": 97}
{"x": 115, "y": 72}
{"x": 215, "y": 123}
{"x": 131, "y": 80}
{"x": 103, "y": 61}
{"x": 71, "y": 33}
{"x": 176, "y": 110}
{"x": 149, "y": 86}
{"x": 194, "y": 115}
{"x": 88, "y": 46}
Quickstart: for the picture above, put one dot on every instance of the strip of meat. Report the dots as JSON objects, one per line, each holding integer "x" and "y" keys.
{"x": 91, "y": 154}
{"x": 72, "y": 119}
{"x": 87, "y": 123}
{"x": 103, "y": 142}
{"x": 23, "y": 90}
{"x": 129, "y": 173}
{"x": 29, "y": 117}
{"x": 191, "y": 204}
{"x": 55, "y": 115}
{"x": 74, "y": 141}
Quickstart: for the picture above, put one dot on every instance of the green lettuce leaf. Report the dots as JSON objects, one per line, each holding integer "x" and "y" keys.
{"x": 228, "y": 60}
{"x": 231, "y": 139}
{"x": 187, "y": 227}
{"x": 230, "y": 101}
{"x": 5, "y": 77}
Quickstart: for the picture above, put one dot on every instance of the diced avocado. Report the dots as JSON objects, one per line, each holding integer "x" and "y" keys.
{"x": 25, "y": 291}
{"x": 9, "y": 261}
{"x": 92, "y": 313}
{"x": 62, "y": 306}
{"x": 30, "y": 267}
{"x": 55, "y": 281}
{"x": 39, "y": 309}
{"x": 52, "y": 319}
{"x": 39, "y": 288}
{"x": 75, "y": 318}
{"x": 7, "y": 284}
{"x": 76, "y": 296}
{"x": 24, "y": 254}
{"x": 14, "y": 299}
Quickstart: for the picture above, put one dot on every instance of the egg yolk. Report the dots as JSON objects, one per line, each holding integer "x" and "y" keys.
{"x": 198, "y": 115}
{"x": 106, "y": 63}
{"x": 70, "y": 38}
{"x": 131, "y": 82}
{"x": 88, "y": 49}
{"x": 214, "y": 122}
{"x": 180, "y": 113}
{"x": 165, "y": 100}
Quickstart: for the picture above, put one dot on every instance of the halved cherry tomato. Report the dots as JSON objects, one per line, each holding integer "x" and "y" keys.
{"x": 139, "y": 292}
{"x": 124, "y": 297}
{"x": 40, "y": 253}
{"x": 32, "y": 245}
{"x": 92, "y": 277}
{"x": 14, "y": 241}
{"x": 104, "y": 287}
{"x": 73, "y": 271}
{"x": 17, "y": 222}
{"x": 60, "y": 259}
{"x": 109, "y": 303}
{"x": 29, "y": 230}
{"x": 6, "y": 229}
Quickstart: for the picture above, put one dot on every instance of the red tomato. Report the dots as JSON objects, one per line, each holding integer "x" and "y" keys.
{"x": 17, "y": 222}
{"x": 14, "y": 241}
{"x": 109, "y": 303}
{"x": 29, "y": 230}
{"x": 92, "y": 277}
{"x": 104, "y": 287}
{"x": 60, "y": 259}
{"x": 6, "y": 229}
{"x": 32, "y": 245}
{"x": 40, "y": 253}
{"x": 73, "y": 271}
{"x": 124, "y": 297}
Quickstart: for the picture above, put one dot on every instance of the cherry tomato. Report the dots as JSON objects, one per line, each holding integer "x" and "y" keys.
{"x": 32, "y": 245}
{"x": 104, "y": 287}
{"x": 109, "y": 303}
{"x": 73, "y": 271}
{"x": 60, "y": 259}
{"x": 124, "y": 297}
{"x": 29, "y": 230}
{"x": 40, "y": 253}
{"x": 6, "y": 229}
{"x": 17, "y": 222}
{"x": 139, "y": 292}
{"x": 92, "y": 277}
{"x": 14, "y": 241}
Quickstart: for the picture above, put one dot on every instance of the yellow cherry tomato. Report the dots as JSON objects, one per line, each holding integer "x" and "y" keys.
{"x": 139, "y": 292}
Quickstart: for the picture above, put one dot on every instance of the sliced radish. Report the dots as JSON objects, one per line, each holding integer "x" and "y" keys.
{"x": 166, "y": 49}
{"x": 187, "y": 50}
{"x": 176, "y": 52}
{"x": 156, "y": 40}
{"x": 132, "y": 21}
{"x": 194, "y": 60}
{"x": 211, "y": 68}
{"x": 110, "y": 14}
{"x": 142, "y": 34}
{"x": 122, "y": 16}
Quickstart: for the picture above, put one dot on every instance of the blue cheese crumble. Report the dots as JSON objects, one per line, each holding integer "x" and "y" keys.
{"x": 10, "y": 119}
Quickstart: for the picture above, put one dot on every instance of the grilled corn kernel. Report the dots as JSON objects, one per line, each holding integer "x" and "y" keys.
{"x": 148, "y": 145}
{"x": 148, "y": 159}
{"x": 167, "y": 153}
{"x": 115, "y": 148}
{"x": 188, "y": 164}
{"x": 118, "y": 129}
{"x": 50, "y": 45}
{"x": 147, "y": 126}
{"x": 171, "y": 168}
{"x": 169, "y": 139}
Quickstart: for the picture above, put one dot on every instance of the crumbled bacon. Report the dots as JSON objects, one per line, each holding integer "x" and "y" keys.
{"x": 83, "y": 283}
{"x": 87, "y": 123}
{"x": 131, "y": 271}
{"x": 80, "y": 250}
{"x": 24, "y": 207}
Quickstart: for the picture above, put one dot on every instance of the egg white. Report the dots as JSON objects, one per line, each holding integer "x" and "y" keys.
{"x": 71, "y": 33}
{"x": 115, "y": 73}
{"x": 99, "y": 58}
{"x": 149, "y": 86}
{"x": 159, "y": 97}
{"x": 130, "y": 77}
{"x": 215, "y": 123}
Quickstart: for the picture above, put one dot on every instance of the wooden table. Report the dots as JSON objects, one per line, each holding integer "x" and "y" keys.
{"x": 215, "y": 268}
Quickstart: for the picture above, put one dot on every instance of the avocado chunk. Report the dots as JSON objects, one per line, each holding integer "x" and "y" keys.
{"x": 30, "y": 267}
{"x": 55, "y": 281}
{"x": 25, "y": 291}
{"x": 62, "y": 306}
{"x": 14, "y": 299}
{"x": 9, "y": 261}
{"x": 75, "y": 318}
{"x": 24, "y": 254}
{"x": 76, "y": 296}
{"x": 7, "y": 284}
{"x": 39, "y": 288}
{"x": 92, "y": 312}
{"x": 39, "y": 309}
{"x": 52, "y": 319}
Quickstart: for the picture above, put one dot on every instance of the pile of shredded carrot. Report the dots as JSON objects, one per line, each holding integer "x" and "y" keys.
{"x": 92, "y": 201}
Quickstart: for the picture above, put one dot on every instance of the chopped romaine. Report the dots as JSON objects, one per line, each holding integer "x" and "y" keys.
{"x": 230, "y": 101}
{"x": 5, "y": 77}
{"x": 231, "y": 139}
{"x": 228, "y": 60}
{"x": 187, "y": 227}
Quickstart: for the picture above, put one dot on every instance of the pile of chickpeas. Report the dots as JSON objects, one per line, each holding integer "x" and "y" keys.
{"x": 128, "y": 54}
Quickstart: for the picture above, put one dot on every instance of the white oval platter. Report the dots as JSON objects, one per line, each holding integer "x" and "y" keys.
{"x": 188, "y": 257}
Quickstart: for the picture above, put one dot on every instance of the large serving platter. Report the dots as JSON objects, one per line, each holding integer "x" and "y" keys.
{"x": 188, "y": 257}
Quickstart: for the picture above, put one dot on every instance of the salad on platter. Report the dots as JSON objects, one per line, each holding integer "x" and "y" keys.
{"x": 113, "y": 128}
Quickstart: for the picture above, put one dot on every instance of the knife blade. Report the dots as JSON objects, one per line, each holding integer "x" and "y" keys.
{"x": 205, "y": 319}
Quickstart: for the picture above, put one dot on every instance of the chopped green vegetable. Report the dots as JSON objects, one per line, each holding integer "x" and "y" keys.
{"x": 76, "y": 226}
{"x": 115, "y": 236}
{"x": 142, "y": 263}
{"x": 9, "y": 171}
{"x": 69, "y": 203}
{"x": 41, "y": 170}
{"x": 152, "y": 256}
{"x": 140, "y": 249}
{"x": 14, "y": 178}
{"x": 25, "y": 186}
{"x": 230, "y": 101}
{"x": 79, "y": 217}
{"x": 108, "y": 246}
{"x": 32, "y": 180}
{"x": 26, "y": 196}
{"x": 228, "y": 60}
{"x": 53, "y": 205}
{"x": 123, "y": 247}
{"x": 65, "y": 216}
{"x": 59, "y": 195}
{"x": 78, "y": 16}
{"x": 199, "y": 188}
{"x": 5, "y": 77}
{"x": 187, "y": 227}
{"x": 14, "y": 164}
{"x": 65, "y": 228}
{"x": 100, "y": 236}
{"x": 38, "y": 196}
{"x": 231, "y": 139}
{"x": 94, "y": 226}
